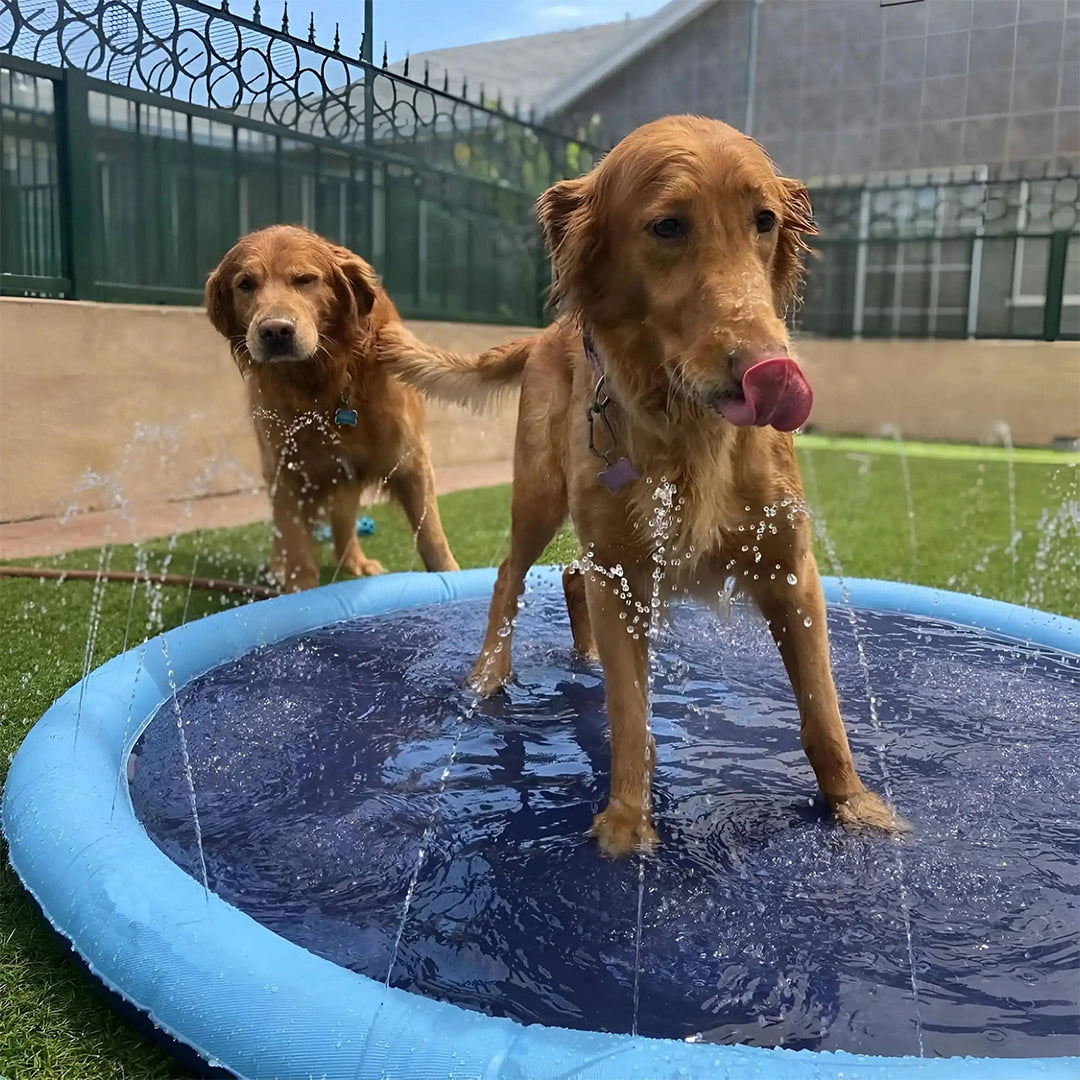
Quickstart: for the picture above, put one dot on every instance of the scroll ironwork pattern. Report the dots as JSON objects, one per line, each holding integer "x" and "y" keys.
{"x": 212, "y": 57}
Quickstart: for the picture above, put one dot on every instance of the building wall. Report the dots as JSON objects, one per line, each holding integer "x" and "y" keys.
{"x": 701, "y": 68}
{"x": 108, "y": 402}
{"x": 846, "y": 86}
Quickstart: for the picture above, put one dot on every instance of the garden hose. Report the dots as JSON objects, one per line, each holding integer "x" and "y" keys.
{"x": 240, "y": 588}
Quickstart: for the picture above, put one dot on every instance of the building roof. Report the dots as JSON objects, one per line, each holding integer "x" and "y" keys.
{"x": 646, "y": 33}
{"x": 548, "y": 72}
{"x": 526, "y": 69}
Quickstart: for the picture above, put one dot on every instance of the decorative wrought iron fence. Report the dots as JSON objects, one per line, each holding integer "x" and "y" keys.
{"x": 947, "y": 254}
{"x": 139, "y": 138}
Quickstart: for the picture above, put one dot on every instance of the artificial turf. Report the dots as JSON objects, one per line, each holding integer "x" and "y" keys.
{"x": 54, "y": 1026}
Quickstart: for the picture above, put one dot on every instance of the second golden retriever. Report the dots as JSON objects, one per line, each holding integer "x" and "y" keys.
{"x": 657, "y": 411}
{"x": 303, "y": 317}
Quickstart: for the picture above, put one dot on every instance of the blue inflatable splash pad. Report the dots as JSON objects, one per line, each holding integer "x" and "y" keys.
{"x": 397, "y": 881}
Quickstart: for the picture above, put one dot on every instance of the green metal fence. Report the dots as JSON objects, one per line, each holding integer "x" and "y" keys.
{"x": 139, "y": 138}
{"x": 954, "y": 253}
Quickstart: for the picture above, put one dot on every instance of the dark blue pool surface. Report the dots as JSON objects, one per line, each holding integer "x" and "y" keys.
{"x": 323, "y": 764}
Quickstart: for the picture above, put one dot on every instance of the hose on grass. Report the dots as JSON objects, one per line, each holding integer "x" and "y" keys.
{"x": 238, "y": 588}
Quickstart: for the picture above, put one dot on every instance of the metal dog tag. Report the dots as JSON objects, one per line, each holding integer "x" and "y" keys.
{"x": 346, "y": 417}
{"x": 617, "y": 475}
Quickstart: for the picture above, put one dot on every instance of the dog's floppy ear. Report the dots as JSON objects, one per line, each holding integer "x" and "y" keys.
{"x": 566, "y": 212}
{"x": 357, "y": 278}
{"x": 217, "y": 297}
{"x": 796, "y": 223}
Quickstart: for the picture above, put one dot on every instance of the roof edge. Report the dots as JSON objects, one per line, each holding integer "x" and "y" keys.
{"x": 665, "y": 22}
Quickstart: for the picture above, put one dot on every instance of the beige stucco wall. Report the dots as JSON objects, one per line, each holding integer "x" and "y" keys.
{"x": 951, "y": 391}
{"x": 100, "y": 400}
{"x": 142, "y": 402}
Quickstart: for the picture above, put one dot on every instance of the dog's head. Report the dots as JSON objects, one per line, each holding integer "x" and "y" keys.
{"x": 284, "y": 295}
{"x": 681, "y": 253}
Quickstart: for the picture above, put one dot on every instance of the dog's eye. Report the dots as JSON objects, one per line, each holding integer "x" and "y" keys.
{"x": 765, "y": 221}
{"x": 246, "y": 284}
{"x": 304, "y": 279}
{"x": 669, "y": 228}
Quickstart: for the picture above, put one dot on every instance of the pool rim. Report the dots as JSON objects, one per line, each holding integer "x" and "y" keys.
{"x": 246, "y": 999}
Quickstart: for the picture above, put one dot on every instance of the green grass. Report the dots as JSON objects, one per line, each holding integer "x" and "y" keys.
{"x": 54, "y": 1026}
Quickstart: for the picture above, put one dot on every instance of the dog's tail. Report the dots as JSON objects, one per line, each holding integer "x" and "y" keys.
{"x": 471, "y": 380}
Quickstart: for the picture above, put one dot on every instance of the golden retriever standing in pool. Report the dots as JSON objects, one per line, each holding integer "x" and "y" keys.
{"x": 303, "y": 317}
{"x": 673, "y": 262}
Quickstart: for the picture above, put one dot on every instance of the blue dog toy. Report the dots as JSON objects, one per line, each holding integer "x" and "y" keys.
{"x": 365, "y": 526}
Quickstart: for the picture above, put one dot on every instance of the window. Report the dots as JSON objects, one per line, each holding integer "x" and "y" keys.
{"x": 1031, "y": 258}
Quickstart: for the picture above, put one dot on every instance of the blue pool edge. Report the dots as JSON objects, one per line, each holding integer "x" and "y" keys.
{"x": 248, "y": 1000}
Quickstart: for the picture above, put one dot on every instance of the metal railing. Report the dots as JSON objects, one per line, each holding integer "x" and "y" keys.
{"x": 139, "y": 138}
{"x": 952, "y": 254}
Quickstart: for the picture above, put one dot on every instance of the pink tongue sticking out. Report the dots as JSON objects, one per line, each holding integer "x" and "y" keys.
{"x": 774, "y": 392}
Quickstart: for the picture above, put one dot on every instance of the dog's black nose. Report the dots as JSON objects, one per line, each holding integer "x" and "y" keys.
{"x": 277, "y": 334}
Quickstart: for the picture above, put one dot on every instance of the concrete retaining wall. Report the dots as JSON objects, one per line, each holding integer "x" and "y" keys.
{"x": 106, "y": 400}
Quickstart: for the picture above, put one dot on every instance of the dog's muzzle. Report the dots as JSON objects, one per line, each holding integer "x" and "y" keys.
{"x": 275, "y": 339}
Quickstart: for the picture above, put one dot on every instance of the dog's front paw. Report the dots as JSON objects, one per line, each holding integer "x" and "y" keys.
{"x": 363, "y": 567}
{"x": 621, "y": 829}
{"x": 868, "y": 812}
{"x": 490, "y": 673}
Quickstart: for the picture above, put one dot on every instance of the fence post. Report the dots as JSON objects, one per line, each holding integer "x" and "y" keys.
{"x": 858, "y": 311}
{"x": 1055, "y": 285}
{"x": 975, "y": 279}
{"x": 75, "y": 176}
{"x": 366, "y": 54}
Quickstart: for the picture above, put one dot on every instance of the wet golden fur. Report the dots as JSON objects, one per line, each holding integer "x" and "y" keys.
{"x": 327, "y": 309}
{"x": 675, "y": 321}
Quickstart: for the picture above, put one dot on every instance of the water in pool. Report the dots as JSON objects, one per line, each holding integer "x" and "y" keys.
{"x": 340, "y": 772}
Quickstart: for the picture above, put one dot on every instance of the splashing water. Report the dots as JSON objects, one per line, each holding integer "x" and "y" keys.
{"x": 94, "y": 622}
{"x": 141, "y": 564}
{"x": 891, "y": 431}
{"x": 186, "y": 761}
{"x": 872, "y": 703}
{"x": 762, "y": 923}
{"x": 809, "y": 471}
{"x": 416, "y": 537}
{"x": 660, "y": 526}
{"x": 650, "y": 619}
{"x": 1059, "y": 529}
{"x": 1003, "y": 432}
{"x": 124, "y": 772}
{"x": 1056, "y": 528}
{"x": 462, "y": 725}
